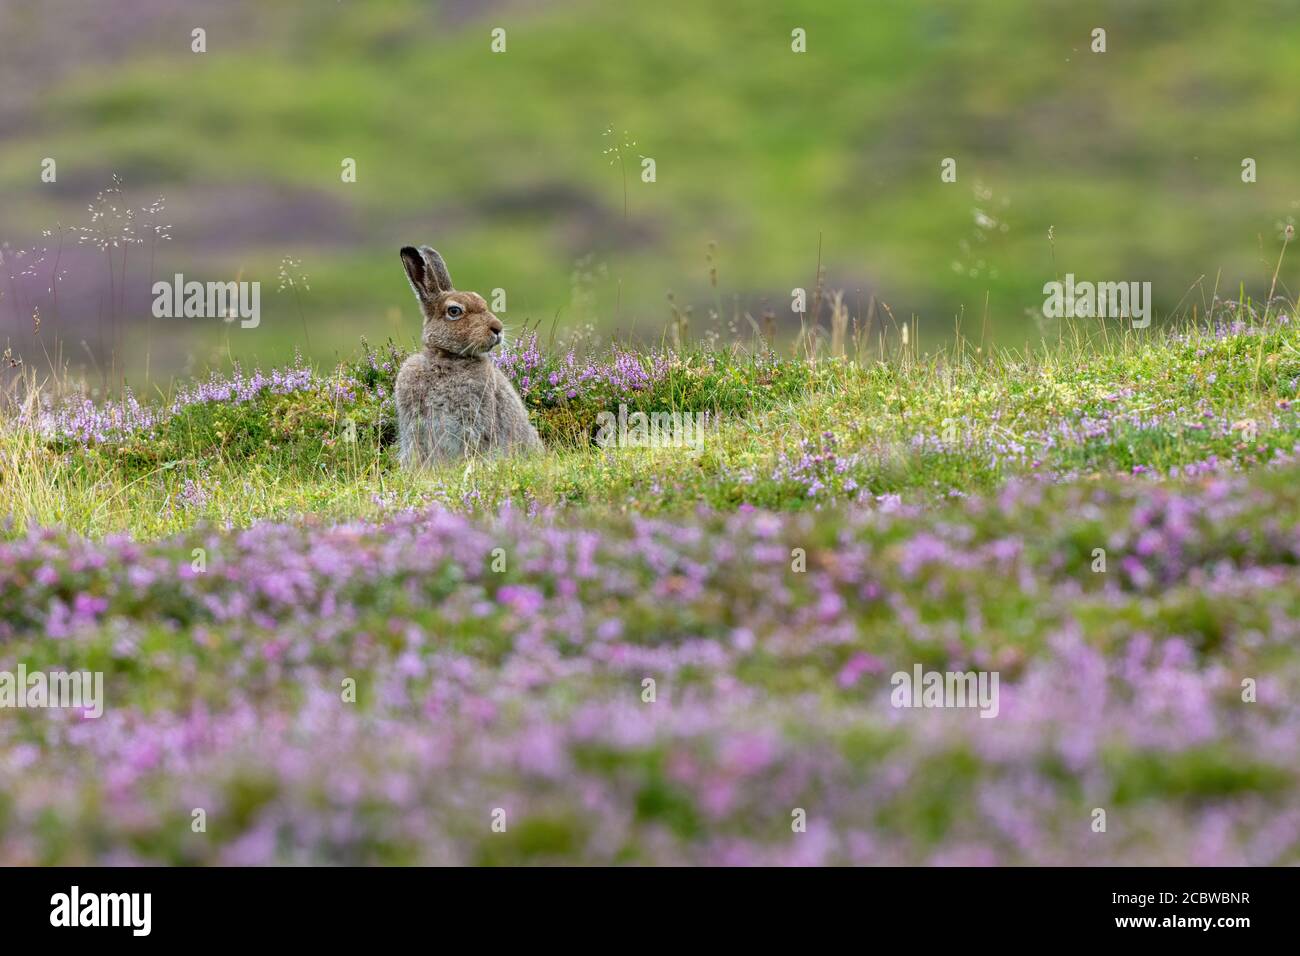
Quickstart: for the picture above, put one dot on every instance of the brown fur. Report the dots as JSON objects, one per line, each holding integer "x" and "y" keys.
{"x": 452, "y": 400}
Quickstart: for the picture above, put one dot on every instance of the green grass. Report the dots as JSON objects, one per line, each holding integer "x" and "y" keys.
{"x": 786, "y": 433}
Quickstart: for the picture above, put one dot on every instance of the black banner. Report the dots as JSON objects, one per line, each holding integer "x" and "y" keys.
{"x": 339, "y": 905}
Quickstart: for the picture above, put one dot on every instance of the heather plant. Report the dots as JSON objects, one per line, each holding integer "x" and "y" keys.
{"x": 227, "y": 684}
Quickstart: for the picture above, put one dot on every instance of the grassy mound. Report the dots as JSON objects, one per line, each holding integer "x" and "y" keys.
{"x": 781, "y": 432}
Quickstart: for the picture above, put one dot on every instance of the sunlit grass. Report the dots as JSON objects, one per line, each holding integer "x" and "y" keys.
{"x": 785, "y": 433}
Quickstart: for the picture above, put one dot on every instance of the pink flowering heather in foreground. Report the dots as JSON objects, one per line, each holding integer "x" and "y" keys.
{"x": 229, "y": 658}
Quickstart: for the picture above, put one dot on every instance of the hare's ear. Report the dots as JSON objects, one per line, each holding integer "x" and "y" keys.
{"x": 426, "y": 270}
{"x": 437, "y": 269}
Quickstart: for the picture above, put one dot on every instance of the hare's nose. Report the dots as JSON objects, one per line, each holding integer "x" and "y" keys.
{"x": 495, "y": 325}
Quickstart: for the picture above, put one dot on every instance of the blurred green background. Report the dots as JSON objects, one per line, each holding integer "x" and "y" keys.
{"x": 501, "y": 160}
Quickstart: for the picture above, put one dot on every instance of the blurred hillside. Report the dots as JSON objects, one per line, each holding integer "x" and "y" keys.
{"x": 502, "y": 160}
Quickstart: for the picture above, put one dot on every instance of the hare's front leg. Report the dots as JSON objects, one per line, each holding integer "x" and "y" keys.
{"x": 434, "y": 435}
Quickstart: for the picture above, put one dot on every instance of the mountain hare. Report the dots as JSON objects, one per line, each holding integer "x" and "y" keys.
{"x": 452, "y": 400}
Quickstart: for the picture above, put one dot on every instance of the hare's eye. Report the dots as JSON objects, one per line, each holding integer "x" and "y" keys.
{"x": 454, "y": 312}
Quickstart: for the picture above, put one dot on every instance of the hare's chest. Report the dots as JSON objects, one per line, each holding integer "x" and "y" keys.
{"x": 465, "y": 405}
